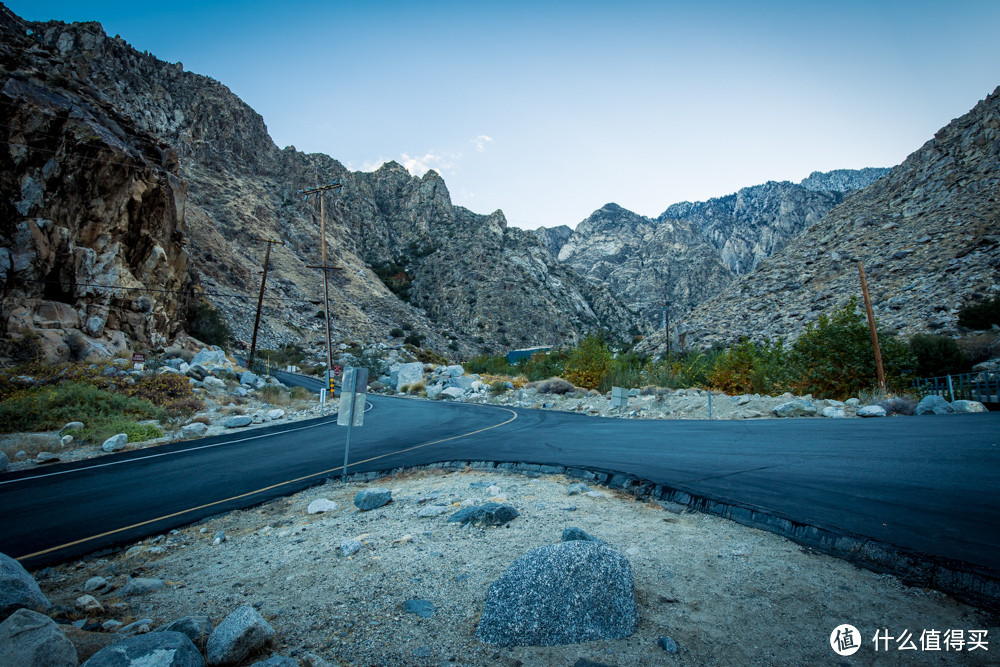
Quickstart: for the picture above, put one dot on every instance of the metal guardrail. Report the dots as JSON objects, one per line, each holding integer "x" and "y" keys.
{"x": 983, "y": 386}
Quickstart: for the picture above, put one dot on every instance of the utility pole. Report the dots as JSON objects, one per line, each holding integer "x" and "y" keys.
{"x": 320, "y": 191}
{"x": 260, "y": 299}
{"x": 871, "y": 325}
{"x": 666, "y": 326}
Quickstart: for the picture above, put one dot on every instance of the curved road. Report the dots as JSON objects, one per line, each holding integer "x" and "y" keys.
{"x": 925, "y": 484}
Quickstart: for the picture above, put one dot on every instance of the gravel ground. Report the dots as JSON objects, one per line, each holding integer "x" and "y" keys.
{"x": 726, "y": 594}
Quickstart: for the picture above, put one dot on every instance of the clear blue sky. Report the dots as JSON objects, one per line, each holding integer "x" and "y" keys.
{"x": 549, "y": 110}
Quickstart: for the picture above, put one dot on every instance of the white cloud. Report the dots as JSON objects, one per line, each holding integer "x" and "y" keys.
{"x": 418, "y": 166}
{"x": 368, "y": 165}
{"x": 481, "y": 141}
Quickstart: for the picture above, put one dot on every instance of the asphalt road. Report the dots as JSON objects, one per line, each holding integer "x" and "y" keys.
{"x": 928, "y": 484}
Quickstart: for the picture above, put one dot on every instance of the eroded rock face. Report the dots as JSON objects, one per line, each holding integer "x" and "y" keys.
{"x": 89, "y": 200}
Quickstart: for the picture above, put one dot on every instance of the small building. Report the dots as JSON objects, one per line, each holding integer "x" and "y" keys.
{"x": 515, "y": 356}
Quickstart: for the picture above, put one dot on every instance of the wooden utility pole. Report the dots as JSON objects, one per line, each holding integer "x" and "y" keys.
{"x": 666, "y": 326}
{"x": 260, "y": 299}
{"x": 871, "y": 325}
{"x": 321, "y": 190}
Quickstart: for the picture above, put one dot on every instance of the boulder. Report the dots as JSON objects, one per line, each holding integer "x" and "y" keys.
{"x": 350, "y": 547}
{"x": 321, "y": 505}
{"x": 487, "y": 514}
{"x": 454, "y": 371}
{"x": 434, "y": 391}
{"x": 48, "y": 457}
{"x": 18, "y": 589}
{"x": 249, "y": 378}
{"x": 872, "y": 411}
{"x": 408, "y": 374}
{"x": 933, "y": 405}
{"x": 577, "y": 488}
{"x": 453, "y": 392}
{"x": 968, "y": 406}
{"x": 210, "y": 357}
{"x": 99, "y": 584}
{"x": 214, "y": 384}
{"x": 240, "y": 634}
{"x": 463, "y": 383}
{"x": 370, "y": 499}
{"x": 276, "y": 413}
{"x": 88, "y": 604}
{"x": 833, "y": 412}
{"x": 70, "y": 426}
{"x": 115, "y": 443}
{"x": 196, "y": 628}
{"x": 238, "y": 421}
{"x": 563, "y": 593}
{"x": 162, "y": 649}
{"x": 194, "y": 430}
{"x": 141, "y": 585}
{"x": 667, "y": 644}
{"x": 33, "y": 640}
{"x": 800, "y": 407}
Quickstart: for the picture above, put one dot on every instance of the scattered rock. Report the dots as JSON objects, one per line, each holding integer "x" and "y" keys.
{"x": 933, "y": 405}
{"x": 87, "y": 643}
{"x": 350, "y": 547}
{"x": 276, "y": 413}
{"x": 99, "y": 584}
{"x": 196, "y": 628}
{"x": 487, "y": 514}
{"x": 249, "y": 378}
{"x": 18, "y": 589}
{"x": 194, "y": 430}
{"x": 115, "y": 443}
{"x": 968, "y": 406}
{"x": 219, "y": 538}
{"x": 370, "y": 499}
{"x": 796, "y": 408}
{"x": 155, "y": 649}
{"x": 853, "y": 402}
{"x": 578, "y": 488}
{"x": 66, "y": 440}
{"x": 422, "y": 608}
{"x": 240, "y": 634}
{"x": 238, "y": 421}
{"x": 49, "y": 457}
{"x": 321, "y": 505}
{"x": 30, "y": 639}
{"x": 573, "y": 533}
{"x": 88, "y": 604}
{"x": 872, "y": 411}
{"x": 561, "y": 594}
{"x": 667, "y": 644}
{"x": 140, "y": 627}
{"x": 141, "y": 585}
{"x": 211, "y": 357}
{"x": 409, "y": 374}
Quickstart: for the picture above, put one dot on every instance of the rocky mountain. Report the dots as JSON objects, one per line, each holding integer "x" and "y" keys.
{"x": 927, "y": 235}
{"x": 693, "y": 250}
{"x": 410, "y": 258}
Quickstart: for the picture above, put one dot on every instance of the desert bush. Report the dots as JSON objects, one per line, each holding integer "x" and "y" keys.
{"x": 749, "y": 368}
{"x": 396, "y": 332}
{"x": 274, "y": 395}
{"x": 22, "y": 348}
{"x": 206, "y": 323}
{"x": 551, "y": 386}
{"x": 834, "y": 358}
{"x": 202, "y": 419}
{"x": 589, "y": 363}
{"x": 287, "y": 355}
{"x": 979, "y": 347}
{"x": 415, "y": 389}
{"x": 543, "y": 365}
{"x": 498, "y": 387}
{"x": 982, "y": 315}
{"x": 938, "y": 355}
{"x": 301, "y": 394}
{"x": 898, "y": 405}
{"x": 168, "y": 390}
{"x": 487, "y": 363}
{"x": 627, "y": 370}
{"x": 98, "y": 432}
{"x": 413, "y": 339}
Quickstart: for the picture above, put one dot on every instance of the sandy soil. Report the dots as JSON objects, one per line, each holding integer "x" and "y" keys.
{"x": 726, "y": 594}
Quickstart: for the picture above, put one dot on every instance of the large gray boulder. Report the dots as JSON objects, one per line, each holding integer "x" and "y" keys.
{"x": 155, "y": 649}
{"x": 197, "y": 628}
{"x": 18, "y": 590}
{"x": 564, "y": 593}
{"x": 211, "y": 358}
{"x": 408, "y": 374}
{"x": 800, "y": 407}
{"x": 968, "y": 406}
{"x": 238, "y": 421}
{"x": 370, "y": 499}
{"x": 872, "y": 411}
{"x": 30, "y": 639}
{"x": 115, "y": 443}
{"x": 240, "y": 634}
{"x": 487, "y": 514}
{"x": 933, "y": 405}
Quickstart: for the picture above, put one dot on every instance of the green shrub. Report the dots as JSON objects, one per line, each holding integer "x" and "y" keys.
{"x": 589, "y": 363}
{"x": 301, "y": 394}
{"x": 498, "y": 387}
{"x": 938, "y": 355}
{"x": 748, "y": 368}
{"x": 834, "y": 356}
{"x": 980, "y": 315}
{"x": 488, "y": 364}
{"x": 99, "y": 431}
{"x": 207, "y": 325}
{"x": 396, "y": 332}
{"x": 627, "y": 370}
{"x": 413, "y": 339}
{"x": 543, "y": 365}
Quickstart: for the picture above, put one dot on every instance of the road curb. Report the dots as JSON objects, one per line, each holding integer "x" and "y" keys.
{"x": 964, "y": 581}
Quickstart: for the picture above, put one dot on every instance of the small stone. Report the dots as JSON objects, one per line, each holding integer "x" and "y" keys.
{"x": 405, "y": 539}
{"x": 667, "y": 644}
{"x": 797, "y": 408}
{"x": 370, "y": 499}
{"x": 88, "y": 604}
{"x": 111, "y": 625}
{"x": 277, "y": 413}
{"x": 66, "y": 440}
{"x": 219, "y": 538}
{"x": 321, "y": 505}
{"x": 968, "y": 407}
{"x": 194, "y": 430}
{"x": 833, "y": 412}
{"x": 46, "y": 457}
{"x": 350, "y": 547}
{"x": 595, "y": 494}
{"x": 422, "y": 608}
{"x": 70, "y": 426}
{"x": 95, "y": 584}
{"x": 139, "y": 627}
{"x": 487, "y": 514}
{"x": 141, "y": 585}
{"x": 574, "y": 533}
{"x": 115, "y": 443}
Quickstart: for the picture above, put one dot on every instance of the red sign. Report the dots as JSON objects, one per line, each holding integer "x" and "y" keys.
{"x": 138, "y": 358}
{"x": 337, "y": 370}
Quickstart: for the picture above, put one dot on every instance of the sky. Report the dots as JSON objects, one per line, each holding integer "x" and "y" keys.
{"x": 549, "y": 110}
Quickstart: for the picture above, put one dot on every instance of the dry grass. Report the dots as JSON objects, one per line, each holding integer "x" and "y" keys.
{"x": 30, "y": 443}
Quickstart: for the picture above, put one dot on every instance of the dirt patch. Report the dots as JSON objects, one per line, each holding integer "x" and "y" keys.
{"x": 725, "y": 594}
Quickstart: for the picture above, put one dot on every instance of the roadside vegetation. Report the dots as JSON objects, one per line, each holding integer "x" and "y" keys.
{"x": 833, "y": 358}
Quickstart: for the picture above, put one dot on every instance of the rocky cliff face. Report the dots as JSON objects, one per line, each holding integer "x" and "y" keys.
{"x": 694, "y": 250}
{"x": 89, "y": 200}
{"x": 926, "y": 234}
{"x": 470, "y": 282}
{"x": 554, "y": 238}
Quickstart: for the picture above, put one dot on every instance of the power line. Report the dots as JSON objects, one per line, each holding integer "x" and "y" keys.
{"x": 173, "y": 291}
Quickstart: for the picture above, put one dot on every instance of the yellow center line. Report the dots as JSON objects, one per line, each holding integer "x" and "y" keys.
{"x": 262, "y": 490}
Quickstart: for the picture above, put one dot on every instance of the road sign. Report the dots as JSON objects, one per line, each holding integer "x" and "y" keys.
{"x": 353, "y": 387}
{"x": 337, "y": 370}
{"x": 352, "y": 410}
{"x": 355, "y": 379}
{"x": 138, "y": 361}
